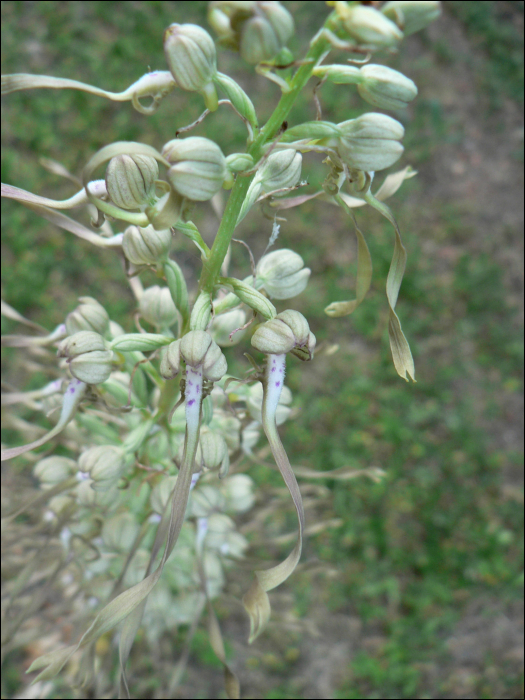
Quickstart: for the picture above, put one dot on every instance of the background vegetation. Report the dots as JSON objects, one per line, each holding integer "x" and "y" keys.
{"x": 414, "y": 590}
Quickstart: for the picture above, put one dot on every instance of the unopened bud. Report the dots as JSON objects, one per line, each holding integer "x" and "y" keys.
{"x": 386, "y": 88}
{"x": 52, "y": 470}
{"x": 192, "y": 59}
{"x": 198, "y": 167}
{"x": 238, "y": 162}
{"x": 412, "y": 16}
{"x": 283, "y": 274}
{"x": 120, "y": 531}
{"x": 198, "y": 348}
{"x": 146, "y": 246}
{"x": 104, "y": 464}
{"x": 281, "y": 170}
{"x": 370, "y": 142}
{"x": 156, "y": 306}
{"x": 88, "y": 316}
{"x": 225, "y": 324}
{"x": 79, "y": 343}
{"x": 369, "y": 27}
{"x": 170, "y": 360}
{"x": 212, "y": 452}
{"x": 130, "y": 180}
{"x": 264, "y": 34}
{"x": 92, "y": 367}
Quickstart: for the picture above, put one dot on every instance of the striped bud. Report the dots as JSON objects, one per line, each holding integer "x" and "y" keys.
{"x": 88, "y": 316}
{"x": 130, "y": 180}
{"x": 198, "y": 167}
{"x": 146, "y": 246}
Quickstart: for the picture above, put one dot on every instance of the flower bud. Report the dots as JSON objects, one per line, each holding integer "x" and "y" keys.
{"x": 192, "y": 59}
{"x": 412, "y": 16}
{"x": 370, "y": 142}
{"x": 212, "y": 451}
{"x": 120, "y": 531}
{"x": 52, "y": 470}
{"x": 283, "y": 274}
{"x": 139, "y": 342}
{"x": 225, "y": 324}
{"x": 88, "y": 316}
{"x": 104, "y": 464}
{"x": 287, "y": 331}
{"x": 238, "y": 492}
{"x": 130, "y": 180}
{"x": 79, "y": 343}
{"x": 92, "y": 367}
{"x": 282, "y": 169}
{"x": 198, "y": 167}
{"x": 264, "y": 34}
{"x": 369, "y": 27}
{"x": 197, "y": 348}
{"x": 386, "y": 88}
{"x": 146, "y": 246}
{"x": 238, "y": 162}
{"x": 170, "y": 360}
{"x": 156, "y": 306}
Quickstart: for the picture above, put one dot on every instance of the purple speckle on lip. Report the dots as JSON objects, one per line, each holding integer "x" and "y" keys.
{"x": 277, "y": 383}
{"x": 197, "y": 389}
{"x": 273, "y": 369}
{"x": 190, "y": 403}
{"x": 190, "y": 383}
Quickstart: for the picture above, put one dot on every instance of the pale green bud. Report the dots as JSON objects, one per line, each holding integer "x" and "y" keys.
{"x": 166, "y": 211}
{"x": 386, "y": 88}
{"x": 205, "y": 500}
{"x": 146, "y": 246}
{"x": 282, "y": 169}
{"x": 283, "y": 274}
{"x": 119, "y": 532}
{"x": 287, "y": 331}
{"x": 265, "y": 33}
{"x": 238, "y": 492}
{"x": 212, "y": 451}
{"x": 197, "y": 348}
{"x": 88, "y": 316}
{"x": 238, "y": 162}
{"x": 370, "y": 142}
{"x": 81, "y": 342}
{"x": 369, "y": 27}
{"x": 225, "y": 324}
{"x": 255, "y": 400}
{"x": 156, "y": 306}
{"x": 199, "y": 167}
{"x": 52, "y": 470}
{"x": 201, "y": 312}
{"x": 92, "y": 367}
{"x": 104, "y": 464}
{"x": 411, "y": 16}
{"x": 130, "y": 180}
{"x": 170, "y": 360}
{"x": 192, "y": 59}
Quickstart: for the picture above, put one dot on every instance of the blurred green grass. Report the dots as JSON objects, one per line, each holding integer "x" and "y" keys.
{"x": 445, "y": 526}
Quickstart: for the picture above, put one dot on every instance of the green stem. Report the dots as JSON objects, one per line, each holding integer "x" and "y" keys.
{"x": 212, "y": 266}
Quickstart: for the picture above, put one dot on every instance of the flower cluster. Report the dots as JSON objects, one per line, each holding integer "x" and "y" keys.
{"x": 158, "y": 435}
